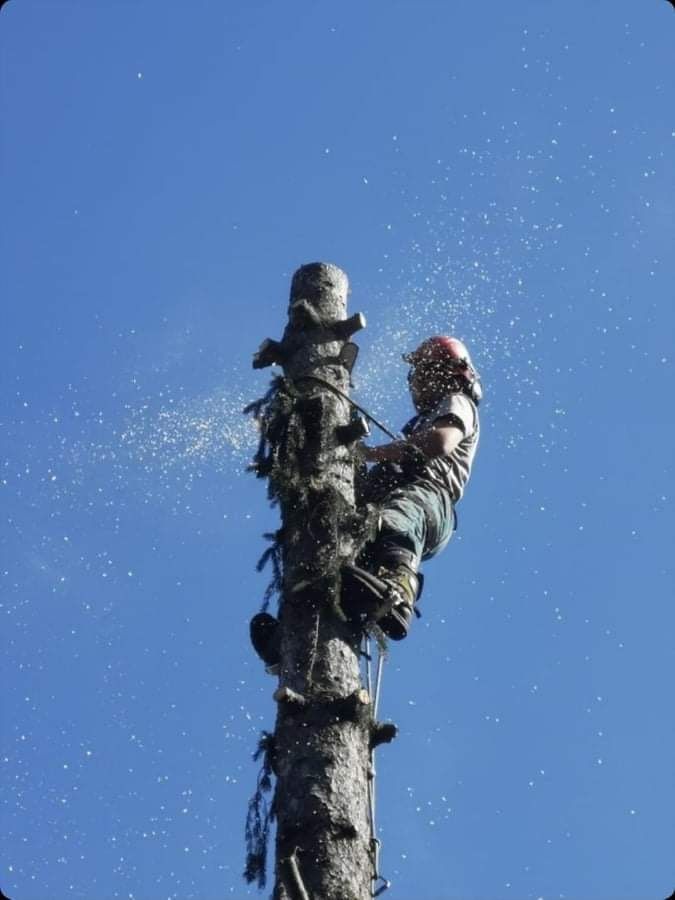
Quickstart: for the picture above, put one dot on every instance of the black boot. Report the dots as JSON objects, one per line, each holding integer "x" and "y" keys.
{"x": 386, "y": 597}
{"x": 396, "y": 623}
{"x": 264, "y": 630}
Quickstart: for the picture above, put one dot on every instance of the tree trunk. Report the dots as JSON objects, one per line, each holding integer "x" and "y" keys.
{"x": 323, "y": 727}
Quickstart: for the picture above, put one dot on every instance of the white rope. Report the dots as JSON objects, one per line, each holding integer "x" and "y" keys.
{"x": 374, "y": 840}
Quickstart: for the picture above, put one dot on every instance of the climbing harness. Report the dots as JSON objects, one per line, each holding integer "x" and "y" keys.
{"x": 380, "y": 883}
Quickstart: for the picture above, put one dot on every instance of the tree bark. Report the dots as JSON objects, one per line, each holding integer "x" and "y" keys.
{"x": 324, "y": 720}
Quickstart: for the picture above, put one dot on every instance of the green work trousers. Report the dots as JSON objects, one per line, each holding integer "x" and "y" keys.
{"x": 418, "y": 518}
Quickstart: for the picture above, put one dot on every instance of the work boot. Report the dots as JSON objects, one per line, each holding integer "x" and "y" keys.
{"x": 403, "y": 582}
{"x": 386, "y": 598}
{"x": 264, "y": 630}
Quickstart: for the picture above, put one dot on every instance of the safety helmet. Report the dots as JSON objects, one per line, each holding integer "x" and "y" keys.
{"x": 449, "y": 352}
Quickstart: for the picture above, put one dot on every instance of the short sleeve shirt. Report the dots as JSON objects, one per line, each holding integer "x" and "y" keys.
{"x": 450, "y": 472}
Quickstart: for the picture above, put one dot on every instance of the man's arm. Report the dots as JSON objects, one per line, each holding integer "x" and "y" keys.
{"x": 439, "y": 440}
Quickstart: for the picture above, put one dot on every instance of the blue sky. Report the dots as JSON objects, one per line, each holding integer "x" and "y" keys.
{"x": 504, "y": 172}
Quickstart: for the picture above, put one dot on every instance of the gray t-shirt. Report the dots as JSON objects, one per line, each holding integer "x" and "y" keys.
{"x": 450, "y": 472}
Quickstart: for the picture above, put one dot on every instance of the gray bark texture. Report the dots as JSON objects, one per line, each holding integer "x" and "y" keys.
{"x": 324, "y": 716}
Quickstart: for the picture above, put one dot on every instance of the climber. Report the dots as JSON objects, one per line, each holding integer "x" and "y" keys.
{"x": 415, "y": 483}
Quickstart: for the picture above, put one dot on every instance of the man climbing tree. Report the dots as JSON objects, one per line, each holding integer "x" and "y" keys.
{"x": 415, "y": 483}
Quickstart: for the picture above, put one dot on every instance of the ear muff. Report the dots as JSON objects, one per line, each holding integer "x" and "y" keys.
{"x": 476, "y": 391}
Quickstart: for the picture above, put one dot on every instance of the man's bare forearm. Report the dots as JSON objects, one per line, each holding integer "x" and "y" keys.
{"x": 433, "y": 442}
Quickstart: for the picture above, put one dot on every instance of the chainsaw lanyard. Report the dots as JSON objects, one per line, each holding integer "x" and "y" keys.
{"x": 353, "y": 403}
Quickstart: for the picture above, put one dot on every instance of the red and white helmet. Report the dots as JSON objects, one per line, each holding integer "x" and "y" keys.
{"x": 450, "y": 352}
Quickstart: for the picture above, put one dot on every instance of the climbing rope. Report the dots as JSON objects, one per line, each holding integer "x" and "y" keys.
{"x": 380, "y": 884}
{"x": 353, "y": 403}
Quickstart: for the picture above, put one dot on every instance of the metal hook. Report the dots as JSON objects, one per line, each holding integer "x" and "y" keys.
{"x": 383, "y": 887}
